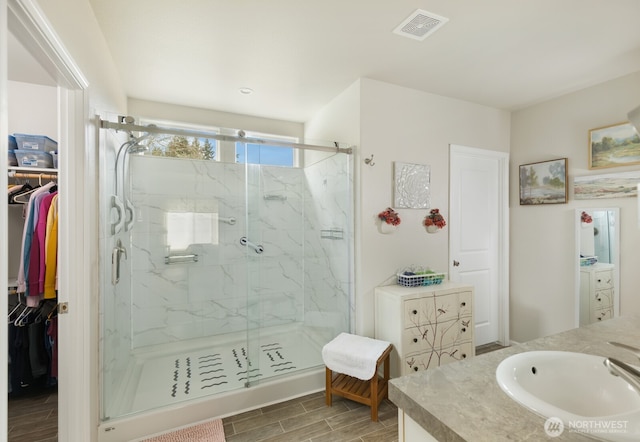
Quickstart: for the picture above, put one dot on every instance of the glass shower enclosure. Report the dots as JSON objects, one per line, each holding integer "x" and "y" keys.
{"x": 231, "y": 274}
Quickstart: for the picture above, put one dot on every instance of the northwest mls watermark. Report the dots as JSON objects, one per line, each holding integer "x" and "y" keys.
{"x": 554, "y": 426}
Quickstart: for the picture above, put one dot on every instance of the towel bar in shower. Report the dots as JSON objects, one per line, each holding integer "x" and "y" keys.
{"x": 180, "y": 259}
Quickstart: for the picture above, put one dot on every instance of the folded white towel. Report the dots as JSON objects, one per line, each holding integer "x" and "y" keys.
{"x": 353, "y": 355}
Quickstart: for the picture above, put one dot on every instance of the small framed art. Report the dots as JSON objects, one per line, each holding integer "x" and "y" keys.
{"x": 612, "y": 146}
{"x": 544, "y": 182}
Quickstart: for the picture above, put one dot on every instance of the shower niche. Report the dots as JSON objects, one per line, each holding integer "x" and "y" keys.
{"x": 228, "y": 282}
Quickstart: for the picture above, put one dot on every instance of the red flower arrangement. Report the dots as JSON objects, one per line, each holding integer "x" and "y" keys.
{"x": 390, "y": 216}
{"x": 434, "y": 218}
{"x": 585, "y": 218}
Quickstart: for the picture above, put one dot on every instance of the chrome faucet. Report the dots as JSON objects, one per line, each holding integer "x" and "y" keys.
{"x": 625, "y": 371}
{"x": 618, "y": 368}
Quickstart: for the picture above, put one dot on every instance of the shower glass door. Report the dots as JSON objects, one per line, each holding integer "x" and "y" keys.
{"x": 237, "y": 271}
{"x": 254, "y": 251}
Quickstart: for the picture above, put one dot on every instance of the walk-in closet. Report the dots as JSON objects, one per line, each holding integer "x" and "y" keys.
{"x": 32, "y": 224}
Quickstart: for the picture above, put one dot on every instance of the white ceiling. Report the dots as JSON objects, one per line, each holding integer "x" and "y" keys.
{"x": 297, "y": 55}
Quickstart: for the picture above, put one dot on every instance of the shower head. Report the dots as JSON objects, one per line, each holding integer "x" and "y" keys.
{"x": 136, "y": 145}
{"x": 133, "y": 145}
{"x": 138, "y": 148}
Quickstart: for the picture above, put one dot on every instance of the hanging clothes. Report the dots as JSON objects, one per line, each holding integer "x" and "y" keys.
{"x": 51, "y": 251}
{"x": 31, "y": 218}
{"x": 33, "y": 351}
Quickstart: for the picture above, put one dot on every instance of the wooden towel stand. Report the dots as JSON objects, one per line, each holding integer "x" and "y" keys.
{"x": 370, "y": 392}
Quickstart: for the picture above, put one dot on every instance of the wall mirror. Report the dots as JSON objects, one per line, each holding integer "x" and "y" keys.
{"x": 597, "y": 264}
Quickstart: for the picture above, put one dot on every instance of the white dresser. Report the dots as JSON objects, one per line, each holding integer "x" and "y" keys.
{"x": 428, "y": 326}
{"x": 596, "y": 293}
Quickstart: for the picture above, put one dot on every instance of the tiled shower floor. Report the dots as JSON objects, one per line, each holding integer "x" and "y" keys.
{"x": 201, "y": 371}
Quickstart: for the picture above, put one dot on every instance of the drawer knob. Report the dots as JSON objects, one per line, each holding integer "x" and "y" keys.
{"x": 415, "y": 312}
{"x": 599, "y": 280}
{"x": 415, "y": 339}
{"x": 464, "y": 356}
{"x": 463, "y": 304}
{"x": 415, "y": 368}
{"x": 464, "y": 329}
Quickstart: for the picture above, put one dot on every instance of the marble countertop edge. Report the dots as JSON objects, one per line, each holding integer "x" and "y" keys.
{"x": 463, "y": 401}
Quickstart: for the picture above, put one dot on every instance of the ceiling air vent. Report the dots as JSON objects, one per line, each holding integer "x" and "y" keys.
{"x": 420, "y": 25}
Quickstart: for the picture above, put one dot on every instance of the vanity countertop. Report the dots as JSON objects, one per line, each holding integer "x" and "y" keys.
{"x": 463, "y": 401}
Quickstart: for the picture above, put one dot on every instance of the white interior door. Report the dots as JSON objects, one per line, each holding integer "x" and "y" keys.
{"x": 478, "y": 230}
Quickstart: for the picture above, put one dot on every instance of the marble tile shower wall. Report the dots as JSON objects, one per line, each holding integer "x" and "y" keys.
{"x": 209, "y": 297}
{"x": 328, "y": 271}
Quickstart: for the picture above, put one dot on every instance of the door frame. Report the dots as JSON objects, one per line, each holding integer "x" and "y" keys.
{"x": 502, "y": 159}
{"x": 77, "y": 389}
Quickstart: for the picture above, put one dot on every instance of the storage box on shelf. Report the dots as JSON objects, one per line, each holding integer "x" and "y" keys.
{"x": 13, "y": 161}
{"x": 40, "y": 143}
{"x": 34, "y": 158}
{"x": 428, "y": 326}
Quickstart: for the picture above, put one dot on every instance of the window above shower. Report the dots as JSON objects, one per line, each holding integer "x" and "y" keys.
{"x": 267, "y": 154}
{"x": 264, "y": 154}
{"x": 178, "y": 146}
{"x": 202, "y": 148}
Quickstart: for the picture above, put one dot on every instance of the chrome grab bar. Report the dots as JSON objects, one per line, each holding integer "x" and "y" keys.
{"x": 256, "y": 247}
{"x": 179, "y": 259}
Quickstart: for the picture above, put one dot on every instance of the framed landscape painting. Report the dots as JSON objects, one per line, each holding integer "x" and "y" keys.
{"x": 544, "y": 182}
{"x": 610, "y": 185}
{"x": 612, "y": 146}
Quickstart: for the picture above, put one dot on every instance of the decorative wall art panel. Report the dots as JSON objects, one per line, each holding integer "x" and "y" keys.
{"x": 412, "y": 183}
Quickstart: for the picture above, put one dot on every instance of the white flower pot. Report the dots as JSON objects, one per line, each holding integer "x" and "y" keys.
{"x": 432, "y": 229}
{"x": 385, "y": 228}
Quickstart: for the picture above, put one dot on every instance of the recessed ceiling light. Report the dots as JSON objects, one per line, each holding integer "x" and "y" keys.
{"x": 246, "y": 90}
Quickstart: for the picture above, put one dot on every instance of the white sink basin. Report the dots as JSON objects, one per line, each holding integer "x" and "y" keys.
{"x": 576, "y": 388}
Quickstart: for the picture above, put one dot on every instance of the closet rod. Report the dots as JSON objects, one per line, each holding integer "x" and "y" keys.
{"x": 104, "y": 124}
{"x": 46, "y": 176}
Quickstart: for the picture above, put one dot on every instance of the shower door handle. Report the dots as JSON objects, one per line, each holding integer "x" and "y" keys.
{"x": 117, "y": 251}
{"x": 117, "y": 203}
{"x": 256, "y": 247}
{"x": 129, "y": 209}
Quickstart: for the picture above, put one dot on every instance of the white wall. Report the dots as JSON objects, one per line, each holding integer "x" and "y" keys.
{"x": 399, "y": 124}
{"x": 542, "y": 237}
{"x": 33, "y": 109}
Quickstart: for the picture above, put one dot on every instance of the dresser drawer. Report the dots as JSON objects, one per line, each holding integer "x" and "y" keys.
{"x": 601, "y": 314}
{"x": 604, "y": 280}
{"x": 423, "y": 361}
{"x": 432, "y": 309}
{"x": 440, "y": 334}
{"x": 602, "y": 299}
